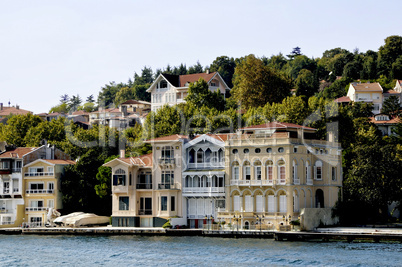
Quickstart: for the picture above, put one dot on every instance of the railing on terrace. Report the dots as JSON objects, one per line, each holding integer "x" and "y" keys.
{"x": 3, "y": 210}
{"x": 16, "y": 190}
{"x": 39, "y": 191}
{"x": 39, "y": 174}
{"x": 144, "y": 186}
{"x": 256, "y": 182}
{"x": 35, "y": 208}
{"x": 203, "y": 189}
{"x": 145, "y": 212}
{"x": 7, "y": 223}
{"x": 169, "y": 186}
{"x": 206, "y": 165}
{"x": 167, "y": 161}
{"x": 6, "y": 191}
{"x": 16, "y": 169}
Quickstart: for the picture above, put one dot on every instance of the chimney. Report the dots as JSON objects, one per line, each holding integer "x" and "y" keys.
{"x": 17, "y": 106}
{"x": 1, "y": 106}
{"x": 122, "y": 153}
{"x": 207, "y": 71}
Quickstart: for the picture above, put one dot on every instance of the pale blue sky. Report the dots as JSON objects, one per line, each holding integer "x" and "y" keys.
{"x": 50, "y": 48}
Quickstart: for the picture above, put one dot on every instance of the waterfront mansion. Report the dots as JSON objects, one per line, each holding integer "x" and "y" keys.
{"x": 267, "y": 174}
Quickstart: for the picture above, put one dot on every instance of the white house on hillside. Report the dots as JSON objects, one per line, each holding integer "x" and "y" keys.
{"x": 367, "y": 92}
{"x": 172, "y": 89}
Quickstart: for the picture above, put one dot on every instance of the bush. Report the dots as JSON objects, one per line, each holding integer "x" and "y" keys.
{"x": 167, "y": 225}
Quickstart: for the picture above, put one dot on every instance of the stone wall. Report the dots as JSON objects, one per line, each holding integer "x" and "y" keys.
{"x": 311, "y": 218}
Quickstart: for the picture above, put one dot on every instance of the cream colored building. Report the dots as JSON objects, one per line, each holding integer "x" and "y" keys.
{"x": 274, "y": 171}
{"x": 42, "y": 189}
{"x": 367, "y": 92}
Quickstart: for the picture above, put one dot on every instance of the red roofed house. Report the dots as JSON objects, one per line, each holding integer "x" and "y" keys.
{"x": 385, "y": 123}
{"x": 367, "y": 92}
{"x": 7, "y": 111}
{"x": 172, "y": 89}
{"x": 12, "y": 163}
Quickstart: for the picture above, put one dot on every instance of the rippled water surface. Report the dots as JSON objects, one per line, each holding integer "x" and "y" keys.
{"x": 27, "y": 250}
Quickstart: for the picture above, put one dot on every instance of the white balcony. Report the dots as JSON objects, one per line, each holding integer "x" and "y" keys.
{"x": 119, "y": 189}
{"x": 206, "y": 165}
{"x": 204, "y": 190}
{"x": 39, "y": 191}
{"x": 35, "y": 208}
{"x": 309, "y": 182}
{"x": 39, "y": 174}
{"x": 252, "y": 182}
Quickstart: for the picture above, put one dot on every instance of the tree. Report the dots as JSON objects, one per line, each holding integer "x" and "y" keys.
{"x": 17, "y": 127}
{"x": 293, "y": 67}
{"x": 123, "y": 95}
{"x": 90, "y": 99}
{"x": 197, "y": 68}
{"x": 369, "y": 68}
{"x": 396, "y": 69}
{"x": 74, "y": 102}
{"x": 103, "y": 176}
{"x": 295, "y": 52}
{"x": 165, "y": 121}
{"x": 352, "y": 70}
{"x": 64, "y": 99}
{"x": 256, "y": 84}
{"x": 226, "y": 68}
{"x": 61, "y": 108}
{"x": 200, "y": 95}
{"x": 388, "y": 53}
{"x": 391, "y": 106}
{"x": 108, "y": 93}
{"x": 306, "y": 83}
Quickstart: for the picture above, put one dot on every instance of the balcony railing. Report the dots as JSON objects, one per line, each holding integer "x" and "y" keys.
{"x": 206, "y": 165}
{"x": 164, "y": 161}
{"x": 144, "y": 186}
{"x": 168, "y": 186}
{"x": 6, "y": 223}
{"x": 16, "y": 169}
{"x": 203, "y": 189}
{"x": 35, "y": 208}
{"x": 145, "y": 212}
{"x": 3, "y": 210}
{"x": 39, "y": 191}
{"x": 296, "y": 181}
{"x": 251, "y": 182}
{"x": 39, "y": 174}
{"x": 16, "y": 190}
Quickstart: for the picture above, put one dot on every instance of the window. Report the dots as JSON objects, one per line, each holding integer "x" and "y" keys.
{"x": 235, "y": 151}
{"x": 270, "y": 166}
{"x": 318, "y": 170}
{"x": 295, "y": 149}
{"x": 119, "y": 178}
{"x": 271, "y": 203}
{"x": 167, "y": 179}
{"x": 246, "y": 151}
{"x": 191, "y": 156}
{"x": 281, "y": 172}
{"x": 6, "y": 187}
{"x": 269, "y": 150}
{"x": 50, "y": 203}
{"x": 50, "y": 169}
{"x": 200, "y": 156}
{"x": 36, "y": 221}
{"x": 236, "y": 203}
{"x": 308, "y": 177}
{"x": 167, "y": 152}
{"x": 294, "y": 171}
{"x": 163, "y": 84}
{"x": 50, "y": 187}
{"x": 333, "y": 174}
{"x": 257, "y": 170}
{"x": 282, "y": 203}
{"x": 5, "y": 165}
{"x": 248, "y": 201}
{"x": 36, "y": 204}
{"x": 163, "y": 203}
{"x": 247, "y": 171}
{"x": 281, "y": 150}
{"x": 172, "y": 203}
{"x": 257, "y": 150}
{"x": 235, "y": 170}
{"x": 124, "y": 203}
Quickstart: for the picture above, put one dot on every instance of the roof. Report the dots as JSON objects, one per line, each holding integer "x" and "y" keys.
{"x": 144, "y": 161}
{"x": 220, "y": 137}
{"x": 367, "y": 87}
{"x": 13, "y": 110}
{"x": 392, "y": 92}
{"x": 394, "y": 120}
{"x": 174, "y": 137}
{"x": 182, "y": 80}
{"x": 80, "y": 112}
{"x": 343, "y": 99}
{"x": 54, "y": 162}
{"x": 110, "y": 110}
{"x": 133, "y": 101}
{"x": 18, "y": 152}
{"x": 277, "y": 125}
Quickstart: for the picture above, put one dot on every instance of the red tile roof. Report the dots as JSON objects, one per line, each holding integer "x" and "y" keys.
{"x": 13, "y": 110}
{"x": 220, "y": 137}
{"x": 395, "y": 120}
{"x": 343, "y": 99}
{"x": 60, "y": 161}
{"x": 191, "y": 78}
{"x": 144, "y": 160}
{"x": 392, "y": 92}
{"x": 174, "y": 137}
{"x": 18, "y": 152}
{"x": 80, "y": 112}
{"x": 276, "y": 125}
{"x": 133, "y": 101}
{"x": 367, "y": 86}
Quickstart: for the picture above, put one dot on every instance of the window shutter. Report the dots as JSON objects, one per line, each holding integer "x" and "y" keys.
{"x": 259, "y": 203}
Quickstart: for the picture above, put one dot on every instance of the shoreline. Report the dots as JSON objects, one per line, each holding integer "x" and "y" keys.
{"x": 321, "y": 234}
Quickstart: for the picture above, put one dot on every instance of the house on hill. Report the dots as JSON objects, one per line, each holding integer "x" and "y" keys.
{"x": 367, "y": 92}
{"x": 173, "y": 89}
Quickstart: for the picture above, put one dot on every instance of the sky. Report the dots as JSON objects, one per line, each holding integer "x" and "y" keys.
{"x": 51, "y": 48}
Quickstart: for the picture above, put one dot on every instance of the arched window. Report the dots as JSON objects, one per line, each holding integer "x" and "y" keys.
{"x": 281, "y": 171}
{"x": 196, "y": 181}
{"x": 221, "y": 156}
{"x": 294, "y": 168}
{"x": 208, "y": 155}
{"x": 246, "y": 171}
{"x": 200, "y": 156}
{"x": 191, "y": 156}
{"x": 257, "y": 170}
{"x": 295, "y": 201}
{"x": 163, "y": 84}
{"x": 282, "y": 202}
{"x": 270, "y": 171}
{"x": 308, "y": 173}
{"x": 235, "y": 170}
{"x": 319, "y": 199}
{"x": 318, "y": 170}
